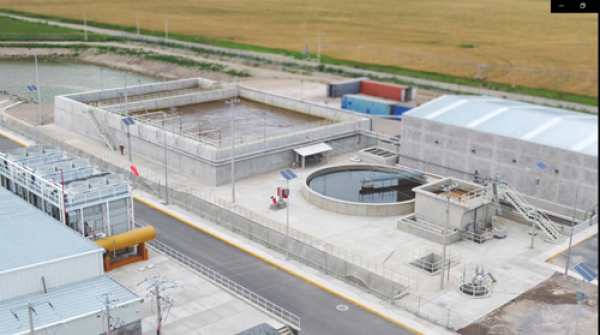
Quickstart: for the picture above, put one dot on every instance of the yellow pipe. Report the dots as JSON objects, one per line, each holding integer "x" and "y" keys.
{"x": 128, "y": 239}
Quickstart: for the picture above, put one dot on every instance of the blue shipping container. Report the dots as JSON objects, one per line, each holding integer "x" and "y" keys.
{"x": 399, "y": 110}
{"x": 367, "y": 105}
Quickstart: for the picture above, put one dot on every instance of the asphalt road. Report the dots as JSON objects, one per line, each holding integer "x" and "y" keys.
{"x": 315, "y": 307}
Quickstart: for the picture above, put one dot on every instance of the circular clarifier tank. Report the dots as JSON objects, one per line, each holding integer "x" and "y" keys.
{"x": 363, "y": 189}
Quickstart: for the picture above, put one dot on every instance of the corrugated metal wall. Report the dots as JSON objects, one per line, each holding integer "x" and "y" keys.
{"x": 367, "y": 105}
{"x": 57, "y": 273}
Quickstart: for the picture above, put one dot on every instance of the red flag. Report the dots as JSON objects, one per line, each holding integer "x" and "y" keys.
{"x": 134, "y": 170}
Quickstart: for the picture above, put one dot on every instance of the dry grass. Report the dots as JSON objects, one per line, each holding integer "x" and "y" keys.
{"x": 518, "y": 33}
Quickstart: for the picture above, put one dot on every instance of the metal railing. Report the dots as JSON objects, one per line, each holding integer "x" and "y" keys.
{"x": 479, "y": 234}
{"x": 227, "y": 284}
{"x": 146, "y": 97}
{"x": 260, "y": 219}
{"x": 424, "y": 259}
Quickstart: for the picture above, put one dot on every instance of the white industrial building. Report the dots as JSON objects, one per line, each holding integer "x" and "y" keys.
{"x": 473, "y": 137}
{"x": 52, "y": 269}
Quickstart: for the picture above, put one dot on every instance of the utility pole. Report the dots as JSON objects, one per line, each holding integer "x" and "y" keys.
{"x": 37, "y": 84}
{"x": 137, "y": 22}
{"x": 127, "y": 115}
{"x": 448, "y": 189}
{"x": 30, "y": 311}
{"x": 85, "y": 25}
{"x": 155, "y": 288}
{"x": 167, "y": 27}
{"x": 232, "y": 102}
{"x": 571, "y": 235}
{"x": 319, "y": 50}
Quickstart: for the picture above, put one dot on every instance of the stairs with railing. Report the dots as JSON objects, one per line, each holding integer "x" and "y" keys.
{"x": 102, "y": 131}
{"x": 529, "y": 212}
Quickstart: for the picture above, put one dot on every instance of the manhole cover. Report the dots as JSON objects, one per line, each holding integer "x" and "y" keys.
{"x": 342, "y": 308}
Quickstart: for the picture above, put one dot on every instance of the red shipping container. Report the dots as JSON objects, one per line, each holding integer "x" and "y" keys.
{"x": 383, "y": 90}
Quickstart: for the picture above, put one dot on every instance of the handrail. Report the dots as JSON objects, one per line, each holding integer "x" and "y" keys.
{"x": 232, "y": 287}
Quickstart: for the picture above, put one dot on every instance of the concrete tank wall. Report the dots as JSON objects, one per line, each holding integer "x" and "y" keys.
{"x": 460, "y": 151}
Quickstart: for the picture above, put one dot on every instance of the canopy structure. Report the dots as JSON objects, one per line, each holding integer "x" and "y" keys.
{"x": 312, "y": 151}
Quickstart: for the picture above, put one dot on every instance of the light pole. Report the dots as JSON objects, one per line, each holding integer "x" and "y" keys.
{"x": 571, "y": 235}
{"x": 232, "y": 102}
{"x": 137, "y": 22}
{"x": 288, "y": 175}
{"x": 31, "y": 89}
{"x": 102, "y": 79}
{"x": 264, "y": 131}
{"x": 85, "y": 25}
{"x": 37, "y": 84}
{"x": 167, "y": 27}
{"x": 319, "y": 50}
{"x": 448, "y": 189}
{"x": 301, "y": 89}
{"x": 139, "y": 86}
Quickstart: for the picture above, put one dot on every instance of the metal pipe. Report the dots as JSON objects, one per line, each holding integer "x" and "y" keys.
{"x": 449, "y": 188}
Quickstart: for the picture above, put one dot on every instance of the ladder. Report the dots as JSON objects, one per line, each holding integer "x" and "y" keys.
{"x": 529, "y": 212}
{"x": 102, "y": 131}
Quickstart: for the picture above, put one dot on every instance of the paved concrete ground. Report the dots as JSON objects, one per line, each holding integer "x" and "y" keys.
{"x": 515, "y": 266}
{"x": 199, "y": 306}
{"x": 586, "y": 251}
{"x": 316, "y": 308}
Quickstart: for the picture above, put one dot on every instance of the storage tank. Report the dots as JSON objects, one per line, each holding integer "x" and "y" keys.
{"x": 97, "y": 182}
{"x": 81, "y": 163}
{"x": 116, "y": 179}
{"x": 78, "y": 187}
{"x": 34, "y": 150}
{"x": 367, "y": 105}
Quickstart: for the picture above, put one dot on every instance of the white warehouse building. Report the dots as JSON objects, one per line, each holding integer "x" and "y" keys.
{"x": 470, "y": 137}
{"x": 59, "y": 274}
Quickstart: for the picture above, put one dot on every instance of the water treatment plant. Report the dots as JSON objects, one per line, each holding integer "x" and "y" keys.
{"x": 293, "y": 208}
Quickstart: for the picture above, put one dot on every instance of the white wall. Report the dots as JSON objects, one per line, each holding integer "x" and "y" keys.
{"x": 56, "y": 273}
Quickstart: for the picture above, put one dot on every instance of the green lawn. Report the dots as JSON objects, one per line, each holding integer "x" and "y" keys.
{"x": 19, "y": 30}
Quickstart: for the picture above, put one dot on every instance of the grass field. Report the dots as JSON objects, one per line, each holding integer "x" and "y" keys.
{"x": 19, "y": 30}
{"x": 511, "y": 33}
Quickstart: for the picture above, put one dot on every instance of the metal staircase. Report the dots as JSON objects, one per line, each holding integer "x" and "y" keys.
{"x": 102, "y": 131}
{"x": 529, "y": 212}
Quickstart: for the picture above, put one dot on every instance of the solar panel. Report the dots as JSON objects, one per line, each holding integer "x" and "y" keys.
{"x": 128, "y": 121}
{"x": 585, "y": 271}
{"x": 288, "y": 174}
{"x": 541, "y": 165}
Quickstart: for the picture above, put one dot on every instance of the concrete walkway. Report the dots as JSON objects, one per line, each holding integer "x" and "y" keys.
{"x": 279, "y": 58}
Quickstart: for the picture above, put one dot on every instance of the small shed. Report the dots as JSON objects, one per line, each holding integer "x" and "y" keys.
{"x": 311, "y": 152}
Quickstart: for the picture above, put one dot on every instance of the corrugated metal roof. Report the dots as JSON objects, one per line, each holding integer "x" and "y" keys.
{"x": 28, "y": 236}
{"x": 554, "y": 127}
{"x": 68, "y": 301}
